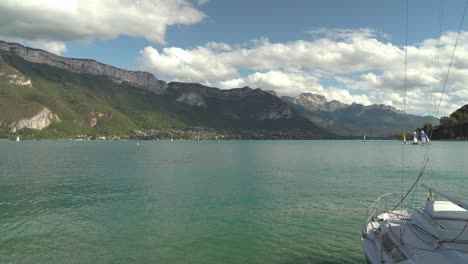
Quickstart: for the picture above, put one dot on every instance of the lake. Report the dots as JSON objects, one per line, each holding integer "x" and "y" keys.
{"x": 203, "y": 201}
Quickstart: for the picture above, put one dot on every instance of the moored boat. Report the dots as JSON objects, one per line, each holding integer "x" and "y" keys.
{"x": 434, "y": 232}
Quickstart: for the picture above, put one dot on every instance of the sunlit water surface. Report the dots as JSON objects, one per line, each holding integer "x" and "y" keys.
{"x": 202, "y": 201}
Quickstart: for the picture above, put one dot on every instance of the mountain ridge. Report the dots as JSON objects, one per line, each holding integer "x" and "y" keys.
{"x": 140, "y": 79}
{"x": 75, "y": 88}
{"x": 375, "y": 120}
{"x": 76, "y": 95}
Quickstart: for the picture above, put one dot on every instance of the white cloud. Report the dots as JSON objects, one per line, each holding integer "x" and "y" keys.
{"x": 285, "y": 83}
{"x": 200, "y": 65}
{"x": 60, "y": 21}
{"x": 56, "y": 47}
{"x": 293, "y": 83}
{"x": 346, "y": 65}
{"x": 341, "y": 33}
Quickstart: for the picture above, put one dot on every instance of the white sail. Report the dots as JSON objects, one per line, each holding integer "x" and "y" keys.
{"x": 17, "y": 138}
{"x": 423, "y": 137}
{"x": 404, "y": 138}
{"x": 415, "y": 137}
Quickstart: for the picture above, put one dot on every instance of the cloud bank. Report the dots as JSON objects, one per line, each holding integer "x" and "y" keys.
{"x": 346, "y": 65}
{"x": 49, "y": 24}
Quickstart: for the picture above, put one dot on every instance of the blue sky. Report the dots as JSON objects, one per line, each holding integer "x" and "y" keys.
{"x": 237, "y": 22}
{"x": 352, "y": 51}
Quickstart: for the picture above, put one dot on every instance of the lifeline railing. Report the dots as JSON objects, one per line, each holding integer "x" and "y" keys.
{"x": 375, "y": 208}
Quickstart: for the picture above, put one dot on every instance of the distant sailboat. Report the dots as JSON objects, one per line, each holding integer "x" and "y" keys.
{"x": 423, "y": 138}
{"x": 404, "y": 138}
{"x": 364, "y": 138}
{"x": 172, "y": 139}
{"x": 415, "y": 138}
{"x": 17, "y": 138}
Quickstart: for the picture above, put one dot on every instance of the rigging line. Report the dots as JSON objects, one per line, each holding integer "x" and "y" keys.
{"x": 426, "y": 156}
{"x": 451, "y": 60}
{"x": 404, "y": 108}
{"x": 436, "y": 59}
{"x": 421, "y": 173}
{"x": 404, "y": 98}
{"x": 404, "y": 111}
{"x": 406, "y": 56}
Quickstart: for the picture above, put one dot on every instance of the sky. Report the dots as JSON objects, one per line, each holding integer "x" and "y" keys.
{"x": 350, "y": 51}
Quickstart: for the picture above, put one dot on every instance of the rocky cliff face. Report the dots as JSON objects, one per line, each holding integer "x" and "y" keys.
{"x": 139, "y": 79}
{"x": 315, "y": 102}
{"x": 16, "y": 79}
{"x": 41, "y": 120}
{"x": 205, "y": 91}
{"x": 274, "y": 113}
{"x": 192, "y": 99}
{"x": 263, "y": 106}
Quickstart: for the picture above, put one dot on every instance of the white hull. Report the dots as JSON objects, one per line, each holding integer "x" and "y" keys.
{"x": 425, "y": 236}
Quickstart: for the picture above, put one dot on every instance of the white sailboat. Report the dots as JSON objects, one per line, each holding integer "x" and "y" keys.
{"x": 17, "y": 139}
{"x": 404, "y": 138}
{"x": 364, "y": 138}
{"x": 436, "y": 232}
{"x": 415, "y": 138}
{"x": 423, "y": 138}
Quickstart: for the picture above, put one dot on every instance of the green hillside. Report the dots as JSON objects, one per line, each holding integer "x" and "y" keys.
{"x": 453, "y": 127}
{"x": 80, "y": 100}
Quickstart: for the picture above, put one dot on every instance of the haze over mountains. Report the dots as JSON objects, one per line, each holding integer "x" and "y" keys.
{"x": 356, "y": 119}
{"x": 84, "y": 96}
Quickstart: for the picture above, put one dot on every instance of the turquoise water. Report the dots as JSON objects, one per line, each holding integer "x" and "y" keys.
{"x": 203, "y": 202}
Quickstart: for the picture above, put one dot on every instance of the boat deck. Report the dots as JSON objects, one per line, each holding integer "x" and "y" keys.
{"x": 398, "y": 240}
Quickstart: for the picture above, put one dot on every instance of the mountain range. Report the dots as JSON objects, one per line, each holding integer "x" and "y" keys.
{"x": 49, "y": 96}
{"x": 356, "y": 119}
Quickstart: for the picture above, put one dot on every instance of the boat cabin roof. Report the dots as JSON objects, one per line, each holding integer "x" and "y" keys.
{"x": 445, "y": 210}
